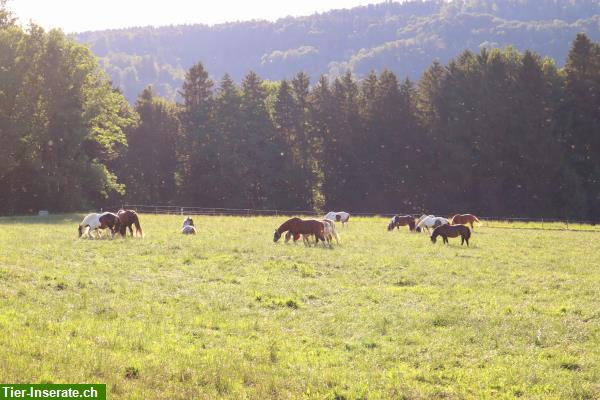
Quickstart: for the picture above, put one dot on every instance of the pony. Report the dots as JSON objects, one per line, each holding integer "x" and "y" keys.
{"x": 296, "y": 227}
{"x": 94, "y": 222}
{"x": 188, "y": 227}
{"x": 339, "y": 216}
{"x": 129, "y": 218}
{"x": 463, "y": 219}
{"x": 430, "y": 221}
{"x": 446, "y": 231}
{"x": 329, "y": 232}
{"x": 402, "y": 220}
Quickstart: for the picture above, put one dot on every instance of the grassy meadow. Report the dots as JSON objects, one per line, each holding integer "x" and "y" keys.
{"x": 229, "y": 314}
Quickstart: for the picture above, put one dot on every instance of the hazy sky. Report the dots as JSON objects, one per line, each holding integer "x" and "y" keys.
{"x": 83, "y": 15}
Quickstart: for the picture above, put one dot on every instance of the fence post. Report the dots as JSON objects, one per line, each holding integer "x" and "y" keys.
{"x": 542, "y": 223}
{"x": 181, "y": 210}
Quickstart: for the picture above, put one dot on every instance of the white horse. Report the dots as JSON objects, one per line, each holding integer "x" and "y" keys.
{"x": 92, "y": 222}
{"x": 339, "y": 216}
{"x": 330, "y": 231}
{"x": 430, "y": 221}
{"x": 188, "y": 227}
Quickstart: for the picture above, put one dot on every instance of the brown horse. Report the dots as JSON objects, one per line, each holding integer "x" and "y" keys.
{"x": 464, "y": 219}
{"x": 129, "y": 218}
{"x": 402, "y": 220}
{"x": 446, "y": 231}
{"x": 297, "y": 227}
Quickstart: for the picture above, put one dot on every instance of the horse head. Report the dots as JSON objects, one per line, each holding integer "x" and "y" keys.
{"x": 276, "y": 235}
{"x": 391, "y": 226}
{"x": 80, "y": 230}
{"x": 433, "y": 237}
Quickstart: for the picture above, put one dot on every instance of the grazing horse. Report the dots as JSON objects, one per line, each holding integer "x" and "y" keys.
{"x": 95, "y": 221}
{"x": 463, "y": 219}
{"x": 188, "y": 227}
{"x": 329, "y": 232}
{"x": 296, "y": 227}
{"x": 129, "y": 218}
{"x": 446, "y": 231}
{"x": 339, "y": 216}
{"x": 430, "y": 221}
{"x": 402, "y": 220}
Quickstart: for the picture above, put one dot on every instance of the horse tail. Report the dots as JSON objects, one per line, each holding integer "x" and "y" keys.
{"x": 138, "y": 227}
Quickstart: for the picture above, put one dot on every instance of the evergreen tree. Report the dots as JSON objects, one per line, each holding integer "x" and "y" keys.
{"x": 197, "y": 156}
{"x": 151, "y": 158}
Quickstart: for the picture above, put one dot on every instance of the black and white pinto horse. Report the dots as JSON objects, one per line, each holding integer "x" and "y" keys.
{"x": 188, "y": 227}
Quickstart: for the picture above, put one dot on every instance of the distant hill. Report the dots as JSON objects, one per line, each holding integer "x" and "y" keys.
{"x": 403, "y": 37}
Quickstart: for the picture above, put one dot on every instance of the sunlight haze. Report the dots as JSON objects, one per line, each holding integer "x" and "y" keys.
{"x": 79, "y": 16}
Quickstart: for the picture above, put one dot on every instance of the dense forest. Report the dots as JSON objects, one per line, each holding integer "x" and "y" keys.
{"x": 401, "y": 37}
{"x": 495, "y": 132}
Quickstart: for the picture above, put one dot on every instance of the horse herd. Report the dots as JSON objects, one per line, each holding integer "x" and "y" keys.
{"x": 119, "y": 222}
{"x": 322, "y": 229}
{"x": 325, "y": 229}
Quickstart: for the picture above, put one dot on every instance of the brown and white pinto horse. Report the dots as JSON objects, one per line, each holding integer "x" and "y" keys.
{"x": 296, "y": 227}
{"x": 464, "y": 219}
{"x": 94, "y": 222}
{"x": 129, "y": 218}
{"x": 402, "y": 220}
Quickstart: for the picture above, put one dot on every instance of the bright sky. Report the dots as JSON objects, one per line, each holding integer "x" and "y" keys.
{"x": 84, "y": 15}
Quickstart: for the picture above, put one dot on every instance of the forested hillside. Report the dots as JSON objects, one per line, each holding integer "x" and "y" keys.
{"x": 402, "y": 37}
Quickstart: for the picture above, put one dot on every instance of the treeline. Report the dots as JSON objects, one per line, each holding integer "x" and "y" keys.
{"x": 61, "y": 122}
{"x": 496, "y": 132}
{"x": 402, "y": 37}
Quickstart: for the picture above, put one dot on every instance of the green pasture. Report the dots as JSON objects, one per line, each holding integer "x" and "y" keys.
{"x": 229, "y": 314}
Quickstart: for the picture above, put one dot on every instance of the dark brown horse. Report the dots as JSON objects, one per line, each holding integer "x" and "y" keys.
{"x": 297, "y": 227}
{"x": 402, "y": 220}
{"x": 464, "y": 219}
{"x": 446, "y": 231}
{"x": 129, "y": 218}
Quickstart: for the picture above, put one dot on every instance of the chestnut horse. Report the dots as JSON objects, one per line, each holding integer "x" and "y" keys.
{"x": 94, "y": 221}
{"x": 463, "y": 219}
{"x": 330, "y": 233}
{"x": 402, "y": 220}
{"x": 446, "y": 231}
{"x": 297, "y": 227}
{"x": 129, "y": 218}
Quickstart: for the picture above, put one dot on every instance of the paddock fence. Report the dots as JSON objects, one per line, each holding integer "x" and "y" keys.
{"x": 486, "y": 221}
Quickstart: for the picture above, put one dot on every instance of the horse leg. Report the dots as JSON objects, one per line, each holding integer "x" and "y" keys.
{"x": 305, "y": 240}
{"x": 130, "y": 230}
{"x": 462, "y": 240}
